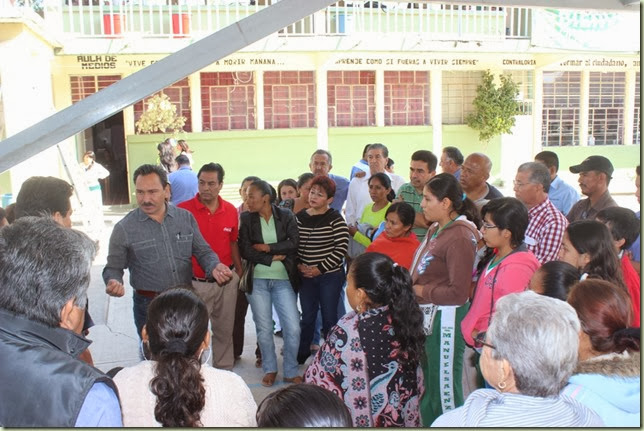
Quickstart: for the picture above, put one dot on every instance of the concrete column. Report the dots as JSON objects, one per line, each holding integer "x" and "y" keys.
{"x": 583, "y": 117}
{"x": 537, "y": 113}
{"x": 259, "y": 98}
{"x": 436, "y": 109}
{"x": 322, "y": 109}
{"x": 194, "y": 82}
{"x": 380, "y": 98}
{"x": 629, "y": 107}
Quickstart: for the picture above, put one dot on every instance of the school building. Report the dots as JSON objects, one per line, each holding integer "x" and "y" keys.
{"x": 400, "y": 73}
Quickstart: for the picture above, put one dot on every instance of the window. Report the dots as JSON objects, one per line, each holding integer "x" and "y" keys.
{"x": 179, "y": 94}
{"x": 459, "y": 91}
{"x": 636, "y": 113}
{"x": 228, "y": 100}
{"x": 525, "y": 80}
{"x": 289, "y": 99}
{"x": 561, "y": 108}
{"x": 406, "y": 98}
{"x": 606, "y": 108}
{"x": 351, "y": 98}
{"x": 83, "y": 86}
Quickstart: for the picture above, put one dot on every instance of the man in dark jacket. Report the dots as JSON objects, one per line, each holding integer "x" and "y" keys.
{"x": 44, "y": 276}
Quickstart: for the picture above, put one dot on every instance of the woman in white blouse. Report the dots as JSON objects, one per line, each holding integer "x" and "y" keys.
{"x": 174, "y": 389}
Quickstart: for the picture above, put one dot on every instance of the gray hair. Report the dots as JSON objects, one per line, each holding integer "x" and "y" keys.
{"x": 379, "y": 146}
{"x": 321, "y": 152}
{"x": 539, "y": 337}
{"x": 539, "y": 174}
{"x": 42, "y": 266}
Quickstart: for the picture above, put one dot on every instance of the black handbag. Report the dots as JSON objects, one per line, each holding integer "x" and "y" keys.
{"x": 246, "y": 280}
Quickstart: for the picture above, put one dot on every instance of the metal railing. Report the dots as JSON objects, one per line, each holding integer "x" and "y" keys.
{"x": 198, "y": 18}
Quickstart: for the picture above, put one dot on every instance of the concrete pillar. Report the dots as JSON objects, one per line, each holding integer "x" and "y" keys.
{"x": 194, "y": 83}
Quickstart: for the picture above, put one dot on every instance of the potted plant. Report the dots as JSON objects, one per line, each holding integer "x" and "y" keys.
{"x": 495, "y": 107}
{"x": 160, "y": 116}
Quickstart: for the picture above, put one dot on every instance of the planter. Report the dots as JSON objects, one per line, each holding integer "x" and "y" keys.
{"x": 113, "y": 24}
{"x": 180, "y": 24}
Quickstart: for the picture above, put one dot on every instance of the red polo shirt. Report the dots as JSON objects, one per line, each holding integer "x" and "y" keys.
{"x": 218, "y": 229}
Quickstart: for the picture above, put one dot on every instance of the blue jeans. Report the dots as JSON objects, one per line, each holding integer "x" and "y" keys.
{"x": 321, "y": 292}
{"x": 140, "y": 308}
{"x": 280, "y": 294}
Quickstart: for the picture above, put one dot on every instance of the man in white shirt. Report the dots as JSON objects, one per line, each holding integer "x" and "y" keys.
{"x": 358, "y": 196}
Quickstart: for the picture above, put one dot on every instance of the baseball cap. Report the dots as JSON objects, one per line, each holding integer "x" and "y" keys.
{"x": 594, "y": 163}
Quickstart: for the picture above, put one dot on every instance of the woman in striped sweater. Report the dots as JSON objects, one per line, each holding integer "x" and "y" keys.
{"x": 324, "y": 239}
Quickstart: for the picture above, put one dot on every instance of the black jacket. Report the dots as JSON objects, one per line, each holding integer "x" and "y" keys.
{"x": 250, "y": 232}
{"x": 43, "y": 383}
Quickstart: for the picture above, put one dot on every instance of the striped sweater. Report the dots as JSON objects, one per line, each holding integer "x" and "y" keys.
{"x": 324, "y": 239}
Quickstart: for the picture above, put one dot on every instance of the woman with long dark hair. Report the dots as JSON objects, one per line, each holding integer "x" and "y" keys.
{"x": 442, "y": 275}
{"x": 373, "y": 214}
{"x": 371, "y": 358}
{"x": 607, "y": 377}
{"x": 588, "y": 245}
{"x": 554, "y": 279}
{"x": 507, "y": 266}
{"x": 268, "y": 239}
{"x": 174, "y": 389}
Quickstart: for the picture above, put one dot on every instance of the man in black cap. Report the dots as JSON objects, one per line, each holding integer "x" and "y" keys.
{"x": 594, "y": 176}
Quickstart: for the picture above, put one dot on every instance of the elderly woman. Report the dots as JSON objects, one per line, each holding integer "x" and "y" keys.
{"x": 607, "y": 378}
{"x": 529, "y": 354}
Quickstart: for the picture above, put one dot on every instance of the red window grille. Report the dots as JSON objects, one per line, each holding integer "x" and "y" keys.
{"x": 406, "y": 98}
{"x": 227, "y": 100}
{"x": 83, "y": 86}
{"x": 351, "y": 98}
{"x": 289, "y": 99}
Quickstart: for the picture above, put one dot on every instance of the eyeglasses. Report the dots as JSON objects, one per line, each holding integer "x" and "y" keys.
{"x": 480, "y": 341}
{"x": 518, "y": 184}
{"x": 488, "y": 226}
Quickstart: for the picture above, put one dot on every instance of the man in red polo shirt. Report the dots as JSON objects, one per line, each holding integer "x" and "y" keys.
{"x": 219, "y": 225}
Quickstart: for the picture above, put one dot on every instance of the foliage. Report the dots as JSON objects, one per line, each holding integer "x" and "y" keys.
{"x": 160, "y": 116}
{"x": 494, "y": 107}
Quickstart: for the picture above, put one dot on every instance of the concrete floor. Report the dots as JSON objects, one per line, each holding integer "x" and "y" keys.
{"x": 115, "y": 342}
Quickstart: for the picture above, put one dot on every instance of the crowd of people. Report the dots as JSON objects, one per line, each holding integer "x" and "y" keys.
{"x": 535, "y": 296}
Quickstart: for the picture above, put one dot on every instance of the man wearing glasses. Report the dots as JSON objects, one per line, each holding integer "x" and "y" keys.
{"x": 547, "y": 224}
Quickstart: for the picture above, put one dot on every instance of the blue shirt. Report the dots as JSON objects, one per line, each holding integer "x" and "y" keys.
{"x": 341, "y": 190}
{"x": 562, "y": 195}
{"x": 457, "y": 174}
{"x": 101, "y": 408}
{"x": 184, "y": 184}
{"x": 635, "y": 248}
{"x": 355, "y": 170}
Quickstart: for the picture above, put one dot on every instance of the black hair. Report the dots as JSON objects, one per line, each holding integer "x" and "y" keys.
{"x": 638, "y": 171}
{"x": 623, "y": 224}
{"x": 593, "y": 237}
{"x": 166, "y": 156}
{"x": 182, "y": 159}
{"x": 548, "y": 158}
{"x": 40, "y": 196}
{"x": 387, "y": 283}
{"x": 265, "y": 189}
{"x": 379, "y": 146}
{"x": 303, "y": 406}
{"x": 214, "y": 167}
{"x": 390, "y": 163}
{"x": 250, "y": 178}
{"x": 385, "y": 181}
{"x": 447, "y": 186}
{"x": 364, "y": 150}
{"x": 3, "y": 215}
{"x": 406, "y": 213}
{"x": 151, "y": 169}
{"x": 286, "y": 182}
{"x": 558, "y": 277}
{"x": 508, "y": 213}
{"x": 11, "y": 213}
{"x": 428, "y": 157}
{"x": 453, "y": 154}
{"x": 304, "y": 178}
{"x": 176, "y": 325}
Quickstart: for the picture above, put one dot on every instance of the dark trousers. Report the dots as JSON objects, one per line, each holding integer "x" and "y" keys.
{"x": 240, "y": 318}
{"x": 323, "y": 293}
{"x": 140, "y": 308}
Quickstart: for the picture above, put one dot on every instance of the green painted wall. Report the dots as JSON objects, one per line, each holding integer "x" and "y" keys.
{"x": 621, "y": 156}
